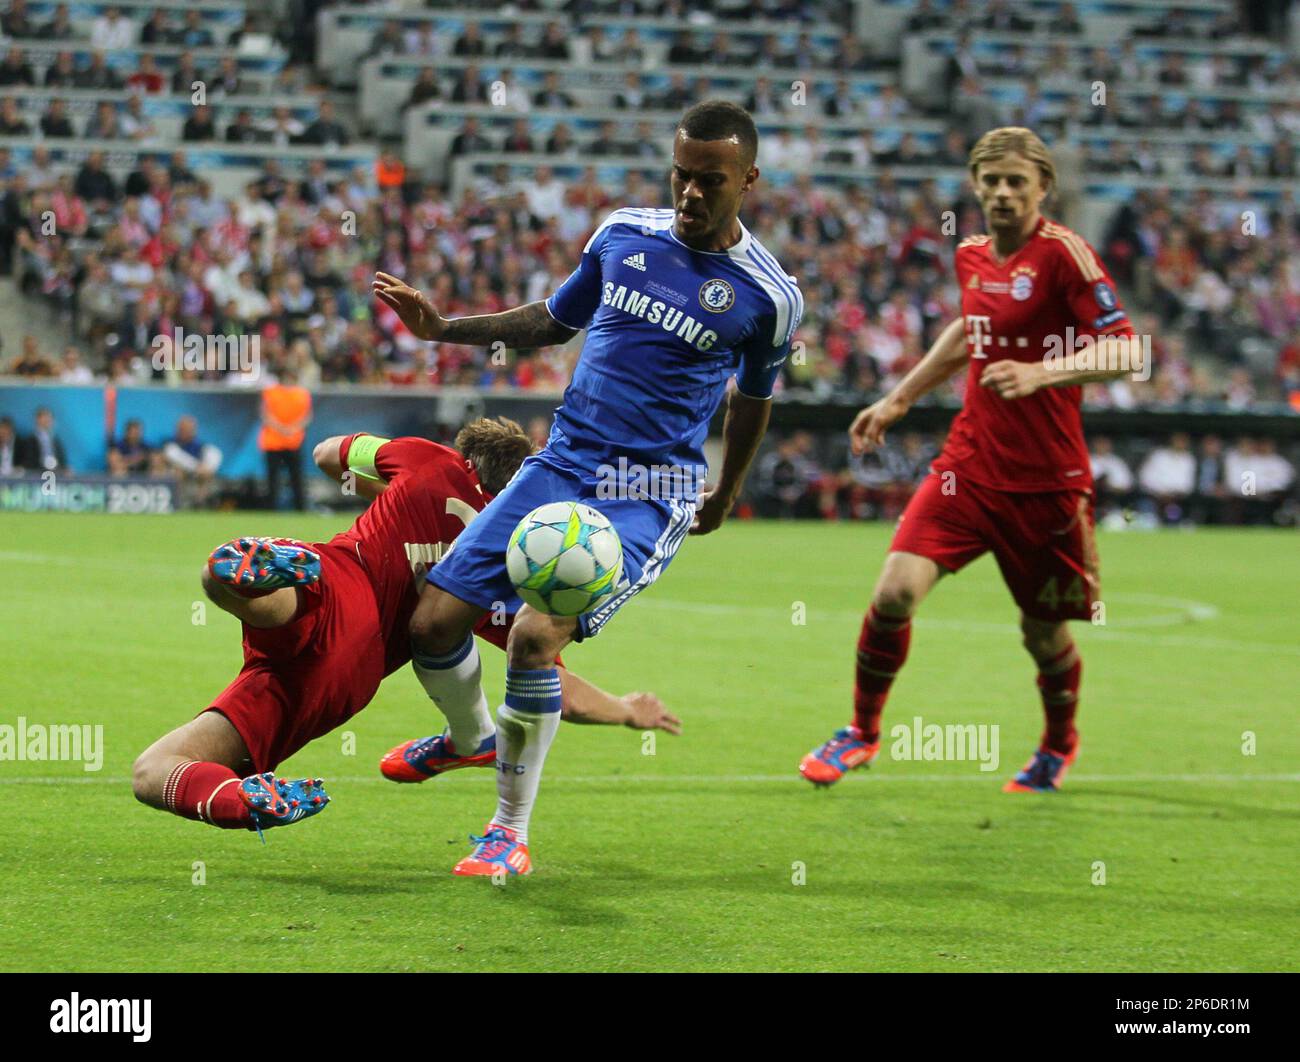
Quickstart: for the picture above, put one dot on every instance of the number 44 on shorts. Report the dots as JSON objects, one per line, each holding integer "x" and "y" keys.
{"x": 1074, "y": 594}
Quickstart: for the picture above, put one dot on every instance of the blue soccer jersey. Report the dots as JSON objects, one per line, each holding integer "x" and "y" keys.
{"x": 667, "y": 326}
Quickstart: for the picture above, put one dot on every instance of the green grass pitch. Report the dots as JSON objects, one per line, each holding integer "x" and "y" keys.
{"x": 690, "y": 858}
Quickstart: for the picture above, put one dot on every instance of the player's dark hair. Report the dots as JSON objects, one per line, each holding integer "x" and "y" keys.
{"x": 496, "y": 447}
{"x": 722, "y": 120}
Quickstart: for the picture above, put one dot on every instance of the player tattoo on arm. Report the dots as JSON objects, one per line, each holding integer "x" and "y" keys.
{"x": 526, "y": 326}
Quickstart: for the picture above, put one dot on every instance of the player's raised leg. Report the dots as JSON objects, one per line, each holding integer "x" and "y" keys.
{"x": 255, "y": 579}
{"x": 446, "y": 661}
{"x": 882, "y": 649}
{"x": 526, "y": 726}
{"x": 1059, "y": 671}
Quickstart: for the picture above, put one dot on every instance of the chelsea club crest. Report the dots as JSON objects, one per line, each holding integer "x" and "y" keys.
{"x": 716, "y": 296}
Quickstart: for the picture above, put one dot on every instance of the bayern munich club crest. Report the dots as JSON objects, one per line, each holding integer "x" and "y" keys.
{"x": 1022, "y": 286}
{"x": 717, "y": 296}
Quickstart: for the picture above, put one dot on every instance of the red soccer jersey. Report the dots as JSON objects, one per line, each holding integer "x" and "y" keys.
{"x": 1053, "y": 287}
{"x": 432, "y": 494}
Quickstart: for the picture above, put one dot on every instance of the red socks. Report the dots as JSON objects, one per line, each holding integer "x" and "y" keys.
{"x": 1058, "y": 683}
{"x": 206, "y": 792}
{"x": 882, "y": 648}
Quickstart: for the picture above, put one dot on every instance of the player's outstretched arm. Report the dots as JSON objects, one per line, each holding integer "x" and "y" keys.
{"x": 585, "y": 703}
{"x": 946, "y": 356}
{"x": 742, "y": 431}
{"x": 525, "y": 326}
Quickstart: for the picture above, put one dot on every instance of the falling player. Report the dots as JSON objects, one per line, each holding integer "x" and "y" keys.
{"x": 674, "y": 303}
{"x": 1014, "y": 475}
{"x": 323, "y": 625}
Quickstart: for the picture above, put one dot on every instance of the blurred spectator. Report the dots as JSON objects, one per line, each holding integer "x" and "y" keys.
{"x": 146, "y": 77}
{"x": 97, "y": 74}
{"x": 16, "y": 70}
{"x": 1112, "y": 477}
{"x": 16, "y": 22}
{"x": 94, "y": 183}
{"x": 112, "y": 31}
{"x": 73, "y": 370}
{"x": 551, "y": 95}
{"x": 131, "y": 456}
{"x": 469, "y": 140}
{"x": 30, "y": 362}
{"x": 193, "y": 34}
{"x": 55, "y": 124}
{"x": 1168, "y": 475}
{"x": 192, "y": 461}
{"x": 59, "y": 28}
{"x": 62, "y": 73}
{"x": 424, "y": 89}
{"x": 326, "y": 130}
{"x": 12, "y": 122}
{"x": 785, "y": 478}
{"x": 1257, "y": 478}
{"x": 200, "y": 126}
{"x": 1207, "y": 507}
{"x": 286, "y": 413}
{"x": 104, "y": 124}
{"x": 43, "y": 450}
{"x": 10, "y": 450}
{"x": 155, "y": 29}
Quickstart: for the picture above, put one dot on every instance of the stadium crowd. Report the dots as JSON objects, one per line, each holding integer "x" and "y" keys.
{"x": 289, "y": 259}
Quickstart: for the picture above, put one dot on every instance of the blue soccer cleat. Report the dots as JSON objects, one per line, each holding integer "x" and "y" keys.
{"x": 829, "y": 762}
{"x": 414, "y": 761}
{"x": 264, "y": 564}
{"x": 272, "y": 801}
{"x": 497, "y": 852}
{"x": 1043, "y": 773}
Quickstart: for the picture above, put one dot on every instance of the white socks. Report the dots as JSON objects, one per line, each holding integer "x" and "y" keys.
{"x": 526, "y": 726}
{"x": 454, "y": 683}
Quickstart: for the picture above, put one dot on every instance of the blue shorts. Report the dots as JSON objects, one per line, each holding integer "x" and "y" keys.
{"x": 651, "y": 531}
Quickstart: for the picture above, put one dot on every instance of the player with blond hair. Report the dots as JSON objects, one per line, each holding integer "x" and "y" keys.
{"x": 1014, "y": 477}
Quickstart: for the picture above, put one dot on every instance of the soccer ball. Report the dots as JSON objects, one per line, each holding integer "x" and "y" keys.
{"x": 564, "y": 558}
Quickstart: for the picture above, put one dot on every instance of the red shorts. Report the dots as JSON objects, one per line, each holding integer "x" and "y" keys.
{"x": 313, "y": 674}
{"x": 1043, "y": 542}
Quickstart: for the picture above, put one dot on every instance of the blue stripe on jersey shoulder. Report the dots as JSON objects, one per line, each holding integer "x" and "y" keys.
{"x": 651, "y": 218}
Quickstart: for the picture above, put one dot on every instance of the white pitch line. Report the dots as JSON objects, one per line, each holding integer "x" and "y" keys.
{"x": 1121, "y": 629}
{"x": 791, "y": 778}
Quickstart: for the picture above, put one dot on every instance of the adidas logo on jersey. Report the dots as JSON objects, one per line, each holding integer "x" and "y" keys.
{"x": 636, "y": 261}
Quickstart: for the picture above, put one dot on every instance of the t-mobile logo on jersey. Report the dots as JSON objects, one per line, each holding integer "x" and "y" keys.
{"x": 979, "y": 334}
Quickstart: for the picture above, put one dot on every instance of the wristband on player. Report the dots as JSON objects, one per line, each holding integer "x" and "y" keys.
{"x": 361, "y": 456}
